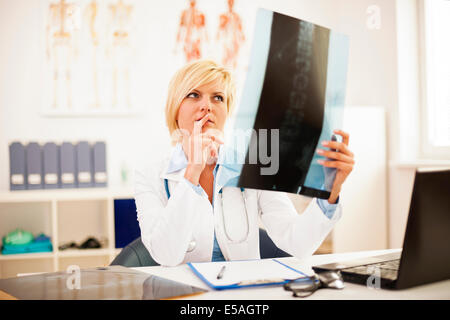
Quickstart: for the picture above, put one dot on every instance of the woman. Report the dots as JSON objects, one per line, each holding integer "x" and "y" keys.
{"x": 185, "y": 211}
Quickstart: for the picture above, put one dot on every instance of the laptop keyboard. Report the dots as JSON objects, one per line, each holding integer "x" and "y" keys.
{"x": 390, "y": 265}
{"x": 387, "y": 270}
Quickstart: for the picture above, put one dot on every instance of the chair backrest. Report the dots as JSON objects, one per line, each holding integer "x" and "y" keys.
{"x": 267, "y": 248}
{"x": 136, "y": 255}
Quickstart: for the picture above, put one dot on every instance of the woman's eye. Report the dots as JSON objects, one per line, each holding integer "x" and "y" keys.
{"x": 219, "y": 98}
{"x": 192, "y": 95}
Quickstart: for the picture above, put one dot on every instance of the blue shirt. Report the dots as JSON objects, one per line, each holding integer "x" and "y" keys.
{"x": 179, "y": 161}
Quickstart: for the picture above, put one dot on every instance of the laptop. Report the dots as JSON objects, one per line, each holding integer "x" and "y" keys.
{"x": 425, "y": 256}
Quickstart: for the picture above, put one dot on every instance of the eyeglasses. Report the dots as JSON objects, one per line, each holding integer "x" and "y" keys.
{"x": 304, "y": 287}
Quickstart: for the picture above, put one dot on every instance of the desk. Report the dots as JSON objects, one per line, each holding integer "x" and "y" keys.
{"x": 126, "y": 283}
{"x": 182, "y": 273}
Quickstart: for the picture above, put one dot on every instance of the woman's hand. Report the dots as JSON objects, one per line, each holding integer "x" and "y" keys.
{"x": 343, "y": 161}
{"x": 201, "y": 148}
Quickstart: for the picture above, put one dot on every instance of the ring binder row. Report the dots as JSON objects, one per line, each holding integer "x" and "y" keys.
{"x": 53, "y": 166}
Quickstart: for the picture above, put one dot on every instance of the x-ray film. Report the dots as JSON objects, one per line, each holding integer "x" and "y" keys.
{"x": 292, "y": 100}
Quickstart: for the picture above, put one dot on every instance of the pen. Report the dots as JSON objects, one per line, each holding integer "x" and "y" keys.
{"x": 220, "y": 275}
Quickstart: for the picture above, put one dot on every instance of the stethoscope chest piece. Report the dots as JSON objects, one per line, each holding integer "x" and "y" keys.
{"x": 192, "y": 245}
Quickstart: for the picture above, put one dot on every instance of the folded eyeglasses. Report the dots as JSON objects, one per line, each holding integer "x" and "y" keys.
{"x": 304, "y": 287}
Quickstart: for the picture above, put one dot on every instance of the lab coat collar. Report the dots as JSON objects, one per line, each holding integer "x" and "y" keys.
{"x": 230, "y": 164}
{"x": 176, "y": 165}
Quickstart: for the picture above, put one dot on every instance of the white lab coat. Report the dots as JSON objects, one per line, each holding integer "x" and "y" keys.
{"x": 170, "y": 228}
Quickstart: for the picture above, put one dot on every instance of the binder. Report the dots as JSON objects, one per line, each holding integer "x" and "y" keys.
{"x": 68, "y": 169}
{"x": 17, "y": 166}
{"x": 34, "y": 166}
{"x": 126, "y": 224}
{"x": 83, "y": 165}
{"x": 51, "y": 166}
{"x": 247, "y": 273}
{"x": 99, "y": 164}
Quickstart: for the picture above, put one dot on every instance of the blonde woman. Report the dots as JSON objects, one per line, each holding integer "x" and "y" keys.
{"x": 185, "y": 210}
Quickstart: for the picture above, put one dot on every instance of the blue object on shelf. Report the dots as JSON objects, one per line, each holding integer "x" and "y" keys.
{"x": 42, "y": 238}
{"x": 41, "y": 243}
{"x": 125, "y": 222}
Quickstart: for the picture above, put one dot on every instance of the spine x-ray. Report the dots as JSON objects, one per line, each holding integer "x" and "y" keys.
{"x": 292, "y": 100}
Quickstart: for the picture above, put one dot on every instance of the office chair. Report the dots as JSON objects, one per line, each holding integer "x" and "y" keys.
{"x": 136, "y": 255}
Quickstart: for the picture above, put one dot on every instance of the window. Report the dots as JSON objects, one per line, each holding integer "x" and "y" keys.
{"x": 436, "y": 102}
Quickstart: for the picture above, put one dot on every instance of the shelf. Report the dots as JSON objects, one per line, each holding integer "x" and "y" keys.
{"x": 21, "y": 256}
{"x": 66, "y": 194}
{"x": 65, "y": 215}
{"x": 62, "y": 254}
{"x": 83, "y": 252}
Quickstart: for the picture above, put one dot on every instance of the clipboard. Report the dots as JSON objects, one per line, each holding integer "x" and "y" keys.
{"x": 246, "y": 273}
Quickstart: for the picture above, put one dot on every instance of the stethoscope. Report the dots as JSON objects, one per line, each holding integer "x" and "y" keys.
{"x": 193, "y": 243}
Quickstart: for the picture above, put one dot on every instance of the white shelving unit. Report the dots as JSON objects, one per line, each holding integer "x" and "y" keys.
{"x": 65, "y": 215}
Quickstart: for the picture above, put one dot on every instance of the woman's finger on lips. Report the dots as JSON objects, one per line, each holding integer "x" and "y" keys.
{"x": 198, "y": 125}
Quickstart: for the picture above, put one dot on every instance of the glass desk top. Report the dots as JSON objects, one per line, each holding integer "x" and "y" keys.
{"x": 104, "y": 283}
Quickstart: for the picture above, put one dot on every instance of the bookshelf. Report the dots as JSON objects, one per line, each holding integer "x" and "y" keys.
{"x": 65, "y": 215}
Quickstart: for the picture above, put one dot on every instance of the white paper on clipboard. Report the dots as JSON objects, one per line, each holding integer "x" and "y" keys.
{"x": 248, "y": 271}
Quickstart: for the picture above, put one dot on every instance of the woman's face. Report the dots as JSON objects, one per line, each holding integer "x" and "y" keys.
{"x": 209, "y": 99}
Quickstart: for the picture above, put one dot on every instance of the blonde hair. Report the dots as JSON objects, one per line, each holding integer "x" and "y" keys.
{"x": 191, "y": 76}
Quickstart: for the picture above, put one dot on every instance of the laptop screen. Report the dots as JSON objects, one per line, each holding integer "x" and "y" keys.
{"x": 426, "y": 247}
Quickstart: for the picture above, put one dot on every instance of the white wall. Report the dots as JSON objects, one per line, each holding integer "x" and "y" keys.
{"x": 364, "y": 222}
{"x": 372, "y": 58}
{"x": 372, "y": 75}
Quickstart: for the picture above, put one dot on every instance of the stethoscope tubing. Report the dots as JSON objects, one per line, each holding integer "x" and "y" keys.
{"x": 166, "y": 186}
